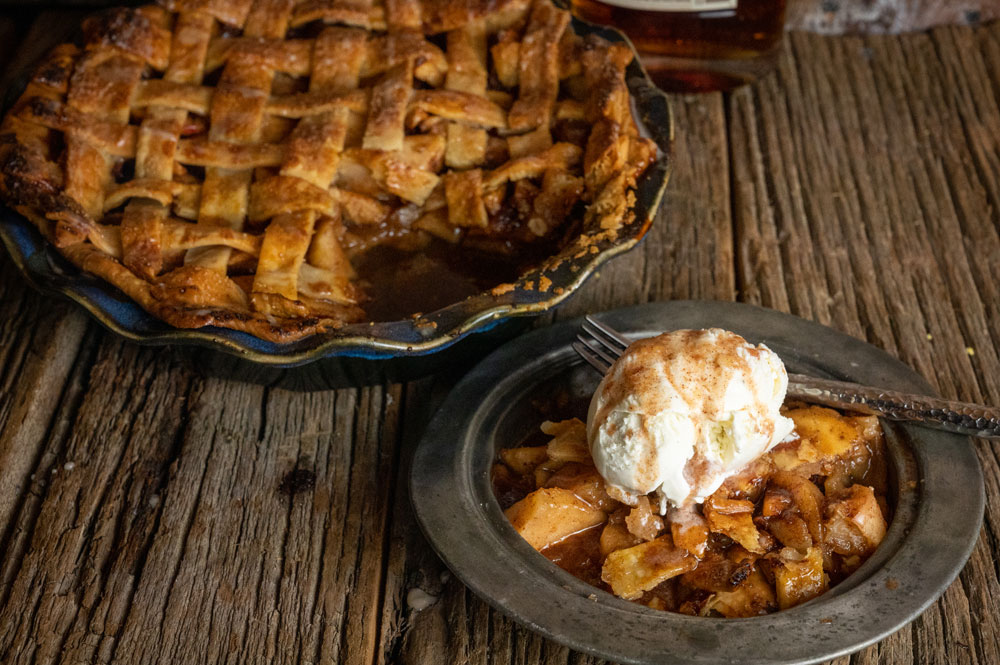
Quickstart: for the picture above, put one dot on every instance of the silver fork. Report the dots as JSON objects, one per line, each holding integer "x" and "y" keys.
{"x": 600, "y": 345}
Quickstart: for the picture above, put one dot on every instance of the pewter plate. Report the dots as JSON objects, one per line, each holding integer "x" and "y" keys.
{"x": 938, "y": 488}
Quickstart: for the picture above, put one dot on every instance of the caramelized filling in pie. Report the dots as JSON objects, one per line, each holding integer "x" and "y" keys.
{"x": 233, "y": 162}
{"x": 795, "y": 522}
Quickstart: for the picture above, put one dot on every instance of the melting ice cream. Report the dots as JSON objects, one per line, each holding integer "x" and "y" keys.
{"x": 679, "y": 413}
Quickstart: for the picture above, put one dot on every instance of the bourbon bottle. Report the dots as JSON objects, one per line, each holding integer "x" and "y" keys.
{"x": 696, "y": 45}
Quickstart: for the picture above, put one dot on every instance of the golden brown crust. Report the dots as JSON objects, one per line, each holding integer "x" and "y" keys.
{"x": 220, "y": 160}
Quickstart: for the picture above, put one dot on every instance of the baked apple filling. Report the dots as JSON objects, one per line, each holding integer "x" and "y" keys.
{"x": 792, "y": 524}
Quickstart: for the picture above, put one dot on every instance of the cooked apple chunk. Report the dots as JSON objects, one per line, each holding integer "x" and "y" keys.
{"x": 548, "y": 515}
{"x": 718, "y": 571}
{"x": 854, "y": 523}
{"x": 570, "y": 441}
{"x": 584, "y": 481}
{"x": 734, "y": 518}
{"x": 823, "y": 437}
{"x": 524, "y": 460}
{"x": 642, "y": 522}
{"x": 807, "y": 499}
{"x": 616, "y": 537}
{"x": 754, "y": 596}
{"x": 799, "y": 577}
{"x": 791, "y": 531}
{"x": 636, "y": 569}
{"x": 690, "y": 530}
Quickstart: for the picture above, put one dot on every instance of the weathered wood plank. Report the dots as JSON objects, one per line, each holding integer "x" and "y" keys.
{"x": 87, "y": 539}
{"x": 197, "y": 486}
{"x": 195, "y": 520}
{"x": 865, "y": 198}
{"x": 273, "y": 567}
{"x": 40, "y": 456}
{"x": 428, "y": 617}
{"x": 33, "y": 370}
{"x": 33, "y": 367}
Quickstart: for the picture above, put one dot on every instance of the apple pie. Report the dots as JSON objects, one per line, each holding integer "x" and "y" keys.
{"x": 228, "y": 162}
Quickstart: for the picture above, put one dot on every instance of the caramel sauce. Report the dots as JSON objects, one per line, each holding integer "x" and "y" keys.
{"x": 402, "y": 283}
{"x": 580, "y": 555}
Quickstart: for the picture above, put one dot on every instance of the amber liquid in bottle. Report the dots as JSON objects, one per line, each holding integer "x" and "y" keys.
{"x": 699, "y": 50}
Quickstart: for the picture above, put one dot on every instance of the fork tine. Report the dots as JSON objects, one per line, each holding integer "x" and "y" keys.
{"x": 600, "y": 345}
{"x": 606, "y": 331}
{"x": 611, "y": 346}
{"x": 604, "y": 353}
{"x": 592, "y": 358}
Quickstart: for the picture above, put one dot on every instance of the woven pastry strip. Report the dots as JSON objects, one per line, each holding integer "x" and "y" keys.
{"x": 467, "y": 73}
{"x": 224, "y": 162}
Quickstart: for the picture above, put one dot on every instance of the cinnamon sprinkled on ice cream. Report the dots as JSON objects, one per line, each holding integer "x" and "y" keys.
{"x": 679, "y": 413}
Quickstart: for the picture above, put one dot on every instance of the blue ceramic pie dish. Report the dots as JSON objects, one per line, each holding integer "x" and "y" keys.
{"x": 364, "y": 352}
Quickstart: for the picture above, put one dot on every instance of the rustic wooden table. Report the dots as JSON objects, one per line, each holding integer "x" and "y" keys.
{"x": 145, "y": 514}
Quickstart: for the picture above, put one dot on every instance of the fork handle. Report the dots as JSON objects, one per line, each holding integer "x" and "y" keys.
{"x": 958, "y": 417}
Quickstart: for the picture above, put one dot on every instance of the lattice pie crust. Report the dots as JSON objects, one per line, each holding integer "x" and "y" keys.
{"x": 221, "y": 161}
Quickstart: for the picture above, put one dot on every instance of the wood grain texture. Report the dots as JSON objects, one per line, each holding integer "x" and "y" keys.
{"x": 151, "y": 515}
{"x": 33, "y": 368}
{"x": 33, "y": 371}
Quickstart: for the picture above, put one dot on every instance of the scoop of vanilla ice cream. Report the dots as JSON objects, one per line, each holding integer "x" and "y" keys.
{"x": 679, "y": 413}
